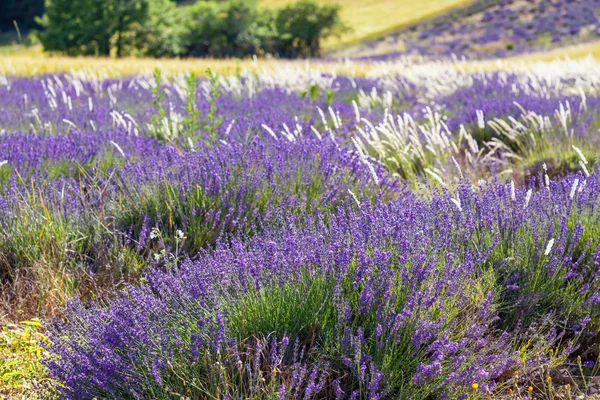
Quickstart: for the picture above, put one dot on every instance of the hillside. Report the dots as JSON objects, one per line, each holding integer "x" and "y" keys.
{"x": 489, "y": 28}
{"x": 368, "y": 18}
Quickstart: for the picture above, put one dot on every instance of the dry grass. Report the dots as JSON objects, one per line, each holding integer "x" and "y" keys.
{"x": 100, "y": 68}
{"x": 39, "y": 63}
{"x": 573, "y": 52}
{"x": 372, "y": 17}
{"x": 32, "y": 64}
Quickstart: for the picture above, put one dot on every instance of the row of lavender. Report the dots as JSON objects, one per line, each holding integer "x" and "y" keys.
{"x": 504, "y": 28}
{"x": 417, "y": 233}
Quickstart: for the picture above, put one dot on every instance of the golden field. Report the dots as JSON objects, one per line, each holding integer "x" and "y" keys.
{"x": 373, "y": 17}
{"x": 36, "y": 62}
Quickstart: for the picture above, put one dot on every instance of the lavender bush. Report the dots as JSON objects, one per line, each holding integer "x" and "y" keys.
{"x": 411, "y": 298}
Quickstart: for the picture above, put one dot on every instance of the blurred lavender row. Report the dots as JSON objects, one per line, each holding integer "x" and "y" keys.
{"x": 491, "y": 29}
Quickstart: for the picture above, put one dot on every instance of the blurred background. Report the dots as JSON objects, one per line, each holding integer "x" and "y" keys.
{"x": 288, "y": 29}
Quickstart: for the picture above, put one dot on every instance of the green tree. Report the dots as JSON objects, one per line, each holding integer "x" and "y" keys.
{"x": 158, "y": 28}
{"x": 100, "y": 27}
{"x": 64, "y": 27}
{"x": 162, "y": 33}
{"x": 233, "y": 28}
{"x": 302, "y": 26}
{"x": 123, "y": 16}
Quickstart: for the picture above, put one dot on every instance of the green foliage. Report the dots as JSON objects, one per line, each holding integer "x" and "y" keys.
{"x": 160, "y": 113}
{"x": 168, "y": 207}
{"x": 5, "y": 171}
{"x": 520, "y": 264}
{"x": 303, "y": 309}
{"x": 157, "y": 28}
{"x": 213, "y": 121}
{"x": 314, "y": 93}
{"x": 184, "y": 130}
{"x": 54, "y": 251}
{"x": 99, "y": 27}
{"x": 329, "y": 93}
{"x": 191, "y": 106}
{"x": 302, "y": 26}
{"x": 20, "y": 355}
{"x": 162, "y": 33}
{"x": 233, "y": 28}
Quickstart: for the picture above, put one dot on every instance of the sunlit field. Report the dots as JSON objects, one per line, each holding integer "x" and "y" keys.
{"x": 413, "y": 225}
{"x": 368, "y": 18}
{"x": 24, "y": 64}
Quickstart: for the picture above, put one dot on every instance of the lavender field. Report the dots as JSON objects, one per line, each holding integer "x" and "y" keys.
{"x": 407, "y": 229}
{"x": 419, "y": 232}
{"x": 492, "y": 28}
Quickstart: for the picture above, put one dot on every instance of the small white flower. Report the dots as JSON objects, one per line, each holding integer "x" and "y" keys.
{"x": 580, "y": 154}
{"x": 370, "y": 167}
{"x": 457, "y": 202}
{"x": 513, "y": 196}
{"x": 480, "y": 119}
{"x": 229, "y": 127}
{"x": 574, "y": 188}
{"x": 154, "y": 233}
{"x": 457, "y": 166}
{"x": 356, "y": 111}
{"x": 527, "y": 198}
{"x": 354, "y": 197}
{"x": 549, "y": 247}
{"x": 179, "y": 234}
{"x": 323, "y": 119}
{"x": 269, "y": 131}
{"x": 582, "y": 186}
{"x": 119, "y": 149}
{"x": 584, "y": 168}
{"x": 70, "y": 123}
{"x": 191, "y": 144}
{"x": 316, "y": 132}
{"x": 435, "y": 176}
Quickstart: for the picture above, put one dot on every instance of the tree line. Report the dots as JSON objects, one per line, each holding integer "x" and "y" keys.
{"x": 162, "y": 28}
